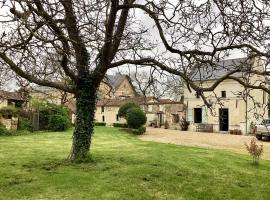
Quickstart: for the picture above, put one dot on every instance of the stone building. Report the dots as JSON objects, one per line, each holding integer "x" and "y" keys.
{"x": 114, "y": 91}
{"x": 233, "y": 105}
{"x": 9, "y": 100}
{"x": 157, "y": 111}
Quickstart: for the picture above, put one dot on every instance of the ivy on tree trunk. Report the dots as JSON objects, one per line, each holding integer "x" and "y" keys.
{"x": 84, "y": 127}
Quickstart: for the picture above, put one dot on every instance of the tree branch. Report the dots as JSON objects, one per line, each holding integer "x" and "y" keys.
{"x": 33, "y": 79}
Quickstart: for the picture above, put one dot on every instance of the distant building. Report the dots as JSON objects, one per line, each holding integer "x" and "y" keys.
{"x": 10, "y": 99}
{"x": 120, "y": 85}
{"x": 234, "y": 106}
{"x": 158, "y": 111}
{"x": 114, "y": 91}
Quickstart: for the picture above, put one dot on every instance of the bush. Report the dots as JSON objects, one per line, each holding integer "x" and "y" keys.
{"x": 9, "y": 110}
{"x": 252, "y": 128}
{"x": 166, "y": 125}
{"x": 24, "y": 124}
{"x": 184, "y": 124}
{"x": 100, "y": 124}
{"x": 47, "y": 114}
{"x": 141, "y": 130}
{"x": 124, "y": 109}
{"x": 58, "y": 123}
{"x": 25, "y": 113}
{"x": 4, "y": 131}
{"x": 121, "y": 125}
{"x": 135, "y": 118}
{"x": 254, "y": 150}
{"x": 153, "y": 123}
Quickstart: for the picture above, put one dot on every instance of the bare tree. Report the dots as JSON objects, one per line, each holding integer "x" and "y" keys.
{"x": 156, "y": 83}
{"x": 42, "y": 39}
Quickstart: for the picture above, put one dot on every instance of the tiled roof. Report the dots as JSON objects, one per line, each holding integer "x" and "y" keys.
{"x": 137, "y": 100}
{"x": 115, "y": 80}
{"x": 207, "y": 72}
{"x": 11, "y": 95}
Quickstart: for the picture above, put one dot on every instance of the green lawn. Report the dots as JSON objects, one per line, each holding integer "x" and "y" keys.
{"x": 123, "y": 167}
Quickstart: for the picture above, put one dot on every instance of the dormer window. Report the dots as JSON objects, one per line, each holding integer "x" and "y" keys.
{"x": 223, "y": 94}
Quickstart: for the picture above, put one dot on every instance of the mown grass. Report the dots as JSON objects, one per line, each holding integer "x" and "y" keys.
{"x": 123, "y": 167}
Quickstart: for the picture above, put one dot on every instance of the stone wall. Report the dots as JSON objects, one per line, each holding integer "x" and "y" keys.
{"x": 10, "y": 124}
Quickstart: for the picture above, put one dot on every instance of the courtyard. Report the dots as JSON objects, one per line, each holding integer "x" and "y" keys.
{"x": 234, "y": 143}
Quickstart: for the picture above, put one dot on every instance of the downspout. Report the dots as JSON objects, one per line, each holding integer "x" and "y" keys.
{"x": 246, "y": 114}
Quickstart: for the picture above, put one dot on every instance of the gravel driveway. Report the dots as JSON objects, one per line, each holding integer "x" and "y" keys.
{"x": 229, "y": 142}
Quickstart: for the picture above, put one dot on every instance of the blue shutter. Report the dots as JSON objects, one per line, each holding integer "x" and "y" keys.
{"x": 204, "y": 115}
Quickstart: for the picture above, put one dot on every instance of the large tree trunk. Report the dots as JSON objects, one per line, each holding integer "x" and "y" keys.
{"x": 84, "y": 128}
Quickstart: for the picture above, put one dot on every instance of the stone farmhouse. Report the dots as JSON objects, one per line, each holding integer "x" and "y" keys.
{"x": 233, "y": 106}
{"x": 158, "y": 111}
{"x": 114, "y": 91}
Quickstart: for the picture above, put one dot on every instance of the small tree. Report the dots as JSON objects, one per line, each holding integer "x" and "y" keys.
{"x": 254, "y": 150}
{"x": 136, "y": 118}
{"x": 184, "y": 124}
{"x": 123, "y": 110}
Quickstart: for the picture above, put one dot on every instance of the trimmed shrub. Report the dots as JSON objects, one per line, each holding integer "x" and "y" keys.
{"x": 123, "y": 110}
{"x": 139, "y": 131}
{"x": 24, "y": 124}
{"x": 121, "y": 125}
{"x": 58, "y": 123}
{"x": 100, "y": 124}
{"x": 136, "y": 118}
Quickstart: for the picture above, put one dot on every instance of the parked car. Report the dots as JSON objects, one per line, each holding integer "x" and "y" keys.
{"x": 263, "y": 129}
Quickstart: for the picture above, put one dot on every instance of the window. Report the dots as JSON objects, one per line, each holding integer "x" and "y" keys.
{"x": 117, "y": 118}
{"x": 18, "y": 104}
{"x": 10, "y": 102}
{"x": 197, "y": 115}
{"x": 197, "y": 95}
{"x": 103, "y": 118}
{"x": 7, "y": 116}
{"x": 223, "y": 94}
{"x": 175, "y": 118}
{"x": 150, "y": 108}
{"x": 102, "y": 109}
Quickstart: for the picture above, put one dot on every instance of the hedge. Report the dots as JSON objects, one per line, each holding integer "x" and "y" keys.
{"x": 100, "y": 124}
{"x": 121, "y": 125}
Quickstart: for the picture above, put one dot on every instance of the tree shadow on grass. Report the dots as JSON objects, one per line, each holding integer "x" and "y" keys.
{"x": 54, "y": 164}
